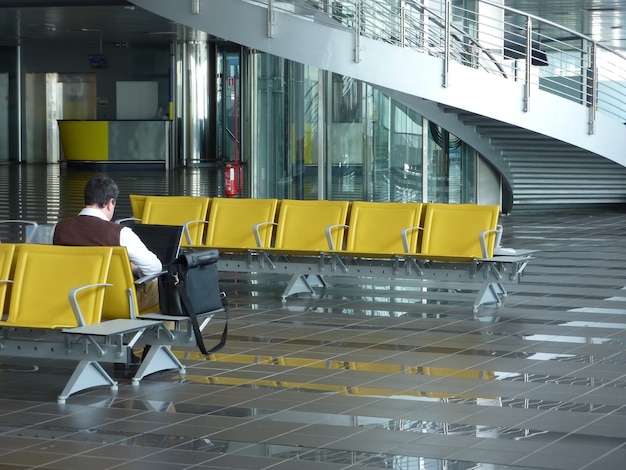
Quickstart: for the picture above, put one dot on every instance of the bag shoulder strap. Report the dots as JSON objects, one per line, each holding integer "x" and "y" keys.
{"x": 188, "y": 307}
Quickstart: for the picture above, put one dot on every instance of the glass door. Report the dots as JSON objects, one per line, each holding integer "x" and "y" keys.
{"x": 228, "y": 82}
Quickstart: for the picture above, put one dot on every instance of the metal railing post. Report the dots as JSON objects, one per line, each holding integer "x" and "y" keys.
{"x": 357, "y": 31}
{"x": 270, "y": 18}
{"x": 447, "y": 32}
{"x": 403, "y": 23}
{"x": 592, "y": 87}
{"x": 529, "y": 61}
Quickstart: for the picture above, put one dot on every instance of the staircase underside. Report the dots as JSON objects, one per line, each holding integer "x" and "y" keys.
{"x": 546, "y": 154}
{"x": 539, "y": 170}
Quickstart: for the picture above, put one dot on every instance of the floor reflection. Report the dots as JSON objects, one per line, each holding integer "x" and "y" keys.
{"x": 361, "y": 375}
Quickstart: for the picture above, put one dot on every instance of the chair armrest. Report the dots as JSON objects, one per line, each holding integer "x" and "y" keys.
{"x": 329, "y": 237}
{"x": 257, "y": 235}
{"x": 78, "y": 313}
{"x": 186, "y": 229}
{"x": 132, "y": 310}
{"x": 149, "y": 277}
{"x": 31, "y": 227}
{"x": 483, "y": 239}
{"x": 405, "y": 238}
{"x": 499, "y": 229}
{"x": 127, "y": 219}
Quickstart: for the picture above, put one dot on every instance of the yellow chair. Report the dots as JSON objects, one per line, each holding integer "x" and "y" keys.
{"x": 383, "y": 228}
{"x": 7, "y": 251}
{"x": 39, "y": 297}
{"x": 455, "y": 230}
{"x": 241, "y": 223}
{"x": 308, "y": 228}
{"x": 137, "y": 203}
{"x": 120, "y": 299}
{"x": 187, "y": 211}
{"x": 310, "y": 225}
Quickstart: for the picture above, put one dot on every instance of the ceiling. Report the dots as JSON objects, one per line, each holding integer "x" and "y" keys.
{"x": 119, "y": 22}
{"x": 601, "y": 20}
{"x": 112, "y": 22}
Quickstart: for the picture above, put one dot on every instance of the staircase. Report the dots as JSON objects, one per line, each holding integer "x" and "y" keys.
{"x": 538, "y": 126}
{"x": 539, "y": 170}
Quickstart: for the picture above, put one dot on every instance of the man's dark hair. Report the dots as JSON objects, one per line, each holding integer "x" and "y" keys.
{"x": 99, "y": 190}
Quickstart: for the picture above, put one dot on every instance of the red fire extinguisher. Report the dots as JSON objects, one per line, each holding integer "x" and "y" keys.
{"x": 233, "y": 178}
{"x": 233, "y": 171}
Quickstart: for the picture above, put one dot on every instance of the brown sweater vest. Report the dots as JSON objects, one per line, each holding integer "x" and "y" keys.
{"x": 86, "y": 230}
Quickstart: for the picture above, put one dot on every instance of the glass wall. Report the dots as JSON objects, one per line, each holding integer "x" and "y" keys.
{"x": 320, "y": 135}
{"x": 228, "y": 83}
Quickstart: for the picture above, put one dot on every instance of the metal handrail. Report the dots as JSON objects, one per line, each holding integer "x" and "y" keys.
{"x": 511, "y": 43}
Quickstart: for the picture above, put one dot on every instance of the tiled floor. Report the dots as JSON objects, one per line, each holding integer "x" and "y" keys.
{"x": 365, "y": 376}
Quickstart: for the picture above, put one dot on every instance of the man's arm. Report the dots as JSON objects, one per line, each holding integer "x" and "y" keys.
{"x": 142, "y": 259}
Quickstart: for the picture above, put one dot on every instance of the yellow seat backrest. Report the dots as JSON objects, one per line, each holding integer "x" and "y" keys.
{"x": 454, "y": 229}
{"x": 137, "y": 203}
{"x": 45, "y": 274}
{"x": 177, "y": 210}
{"x": 302, "y": 225}
{"x": 376, "y": 227}
{"x": 7, "y": 251}
{"x": 231, "y": 222}
{"x": 120, "y": 299}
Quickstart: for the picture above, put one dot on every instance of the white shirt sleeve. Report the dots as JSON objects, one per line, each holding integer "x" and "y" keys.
{"x": 146, "y": 262}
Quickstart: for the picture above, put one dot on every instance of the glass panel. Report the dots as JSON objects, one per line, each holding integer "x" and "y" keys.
{"x": 373, "y": 147}
{"x": 285, "y": 134}
{"x": 397, "y": 149}
{"x": 299, "y": 180}
{"x": 455, "y": 182}
{"x": 468, "y": 174}
{"x": 452, "y": 168}
{"x": 406, "y": 155}
{"x": 268, "y": 132}
{"x": 381, "y": 138}
{"x": 305, "y": 116}
{"x": 345, "y": 139}
{"x": 437, "y": 164}
{"x": 228, "y": 105}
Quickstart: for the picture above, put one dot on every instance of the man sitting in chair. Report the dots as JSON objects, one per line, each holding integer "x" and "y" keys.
{"x": 93, "y": 227}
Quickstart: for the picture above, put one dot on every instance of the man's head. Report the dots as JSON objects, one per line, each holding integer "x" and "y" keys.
{"x": 101, "y": 192}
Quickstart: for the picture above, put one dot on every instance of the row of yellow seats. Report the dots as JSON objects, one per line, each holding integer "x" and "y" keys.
{"x": 33, "y": 293}
{"x": 367, "y": 228}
